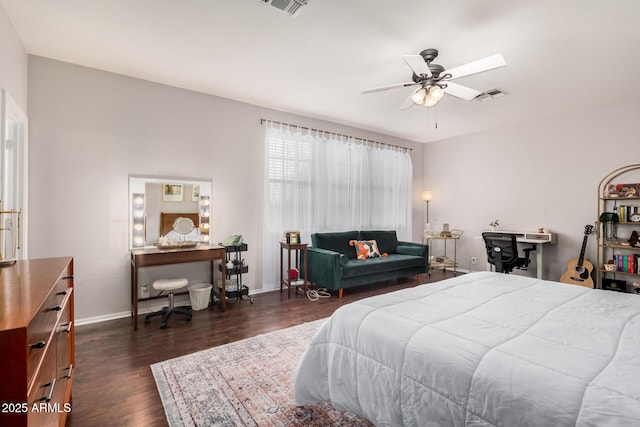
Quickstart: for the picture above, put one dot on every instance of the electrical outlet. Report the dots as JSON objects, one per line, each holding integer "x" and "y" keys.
{"x": 474, "y": 260}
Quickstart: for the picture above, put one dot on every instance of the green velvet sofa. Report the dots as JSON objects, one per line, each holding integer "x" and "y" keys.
{"x": 332, "y": 263}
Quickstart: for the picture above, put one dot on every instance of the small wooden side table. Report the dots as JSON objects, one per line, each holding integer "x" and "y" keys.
{"x": 285, "y": 280}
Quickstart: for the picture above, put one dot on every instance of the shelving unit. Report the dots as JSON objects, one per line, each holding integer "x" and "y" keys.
{"x": 239, "y": 292}
{"x": 443, "y": 262}
{"x": 619, "y": 194}
{"x": 300, "y": 256}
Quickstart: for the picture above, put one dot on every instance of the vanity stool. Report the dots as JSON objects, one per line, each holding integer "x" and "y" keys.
{"x": 169, "y": 285}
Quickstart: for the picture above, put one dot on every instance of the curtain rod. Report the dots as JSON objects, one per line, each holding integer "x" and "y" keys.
{"x": 262, "y": 121}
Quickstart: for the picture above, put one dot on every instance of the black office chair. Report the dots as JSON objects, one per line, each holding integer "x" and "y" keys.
{"x": 502, "y": 252}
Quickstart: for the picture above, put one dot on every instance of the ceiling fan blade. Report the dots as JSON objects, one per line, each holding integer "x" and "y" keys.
{"x": 460, "y": 91}
{"x": 417, "y": 64}
{"x": 488, "y": 63}
{"x": 408, "y": 102}
{"x": 393, "y": 86}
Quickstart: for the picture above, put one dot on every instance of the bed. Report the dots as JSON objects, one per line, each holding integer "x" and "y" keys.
{"x": 481, "y": 349}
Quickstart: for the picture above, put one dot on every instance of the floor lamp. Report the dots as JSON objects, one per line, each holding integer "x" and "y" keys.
{"x": 426, "y": 196}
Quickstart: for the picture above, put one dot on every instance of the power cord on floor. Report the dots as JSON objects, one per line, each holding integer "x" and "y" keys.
{"x": 315, "y": 295}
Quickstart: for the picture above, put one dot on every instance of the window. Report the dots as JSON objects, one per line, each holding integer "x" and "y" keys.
{"x": 320, "y": 182}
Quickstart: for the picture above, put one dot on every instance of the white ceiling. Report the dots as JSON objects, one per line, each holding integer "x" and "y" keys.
{"x": 562, "y": 55}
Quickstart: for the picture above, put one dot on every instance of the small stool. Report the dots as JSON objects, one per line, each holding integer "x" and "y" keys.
{"x": 169, "y": 285}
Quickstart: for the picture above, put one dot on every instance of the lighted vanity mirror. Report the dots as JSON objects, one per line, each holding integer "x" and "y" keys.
{"x": 159, "y": 208}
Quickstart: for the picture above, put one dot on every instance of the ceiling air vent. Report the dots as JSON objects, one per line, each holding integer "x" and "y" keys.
{"x": 490, "y": 94}
{"x": 289, "y": 6}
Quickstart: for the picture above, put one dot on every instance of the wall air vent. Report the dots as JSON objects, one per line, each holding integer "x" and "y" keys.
{"x": 490, "y": 94}
{"x": 289, "y": 6}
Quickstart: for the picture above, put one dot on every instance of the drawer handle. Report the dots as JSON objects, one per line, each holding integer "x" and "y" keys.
{"x": 39, "y": 344}
{"x": 65, "y": 327}
{"x": 67, "y": 278}
{"x": 56, "y": 308}
{"x": 70, "y": 369}
{"x": 51, "y": 385}
{"x": 61, "y": 293}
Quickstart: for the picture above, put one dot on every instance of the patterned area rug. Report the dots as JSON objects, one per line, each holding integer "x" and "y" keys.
{"x": 244, "y": 383}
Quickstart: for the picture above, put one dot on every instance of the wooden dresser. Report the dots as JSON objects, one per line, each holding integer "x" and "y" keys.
{"x": 36, "y": 342}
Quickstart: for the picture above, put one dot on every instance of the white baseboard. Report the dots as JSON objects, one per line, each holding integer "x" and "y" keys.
{"x": 147, "y": 307}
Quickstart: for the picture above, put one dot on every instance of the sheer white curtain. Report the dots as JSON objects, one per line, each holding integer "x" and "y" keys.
{"x": 316, "y": 182}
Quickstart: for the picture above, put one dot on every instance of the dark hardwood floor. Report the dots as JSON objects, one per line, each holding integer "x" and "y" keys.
{"x": 113, "y": 384}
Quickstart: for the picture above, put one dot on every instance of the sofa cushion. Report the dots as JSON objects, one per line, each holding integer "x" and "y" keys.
{"x": 337, "y": 242}
{"x": 365, "y": 249}
{"x": 410, "y": 250}
{"x": 386, "y": 239}
{"x": 357, "y": 267}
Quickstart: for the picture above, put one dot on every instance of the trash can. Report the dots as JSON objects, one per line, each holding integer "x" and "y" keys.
{"x": 200, "y": 295}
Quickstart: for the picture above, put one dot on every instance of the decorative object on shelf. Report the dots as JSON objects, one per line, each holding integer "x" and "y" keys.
{"x": 494, "y": 225}
{"x": 627, "y": 190}
{"x": 445, "y": 230}
{"x": 233, "y": 240}
{"x": 291, "y": 237}
{"x": 614, "y": 285}
{"x": 609, "y": 221}
{"x": 610, "y": 266}
{"x": 635, "y": 216}
{"x": 633, "y": 240}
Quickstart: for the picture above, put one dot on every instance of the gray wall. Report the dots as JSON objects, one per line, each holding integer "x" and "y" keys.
{"x": 90, "y": 129}
{"x": 542, "y": 174}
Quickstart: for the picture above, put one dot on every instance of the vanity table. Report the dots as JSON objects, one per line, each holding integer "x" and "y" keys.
{"x": 147, "y": 257}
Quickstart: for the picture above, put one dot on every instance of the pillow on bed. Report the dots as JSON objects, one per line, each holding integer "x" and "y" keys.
{"x": 366, "y": 249}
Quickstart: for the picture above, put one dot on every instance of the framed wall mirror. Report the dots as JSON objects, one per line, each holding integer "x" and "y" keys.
{"x": 168, "y": 211}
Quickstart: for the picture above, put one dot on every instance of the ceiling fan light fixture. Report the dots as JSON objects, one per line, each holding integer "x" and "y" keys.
{"x": 419, "y": 96}
{"x": 430, "y": 102}
{"x": 436, "y": 92}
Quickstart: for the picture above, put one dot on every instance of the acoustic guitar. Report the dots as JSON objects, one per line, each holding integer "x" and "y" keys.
{"x": 579, "y": 270}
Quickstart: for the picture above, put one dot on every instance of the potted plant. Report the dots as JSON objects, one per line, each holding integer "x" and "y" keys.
{"x": 494, "y": 225}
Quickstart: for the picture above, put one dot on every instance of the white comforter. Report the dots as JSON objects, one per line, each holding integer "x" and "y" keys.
{"x": 478, "y": 350}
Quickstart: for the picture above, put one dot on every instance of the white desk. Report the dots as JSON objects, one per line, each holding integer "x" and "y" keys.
{"x": 539, "y": 239}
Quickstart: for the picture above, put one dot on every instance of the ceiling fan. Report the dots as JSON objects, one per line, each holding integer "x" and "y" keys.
{"x": 435, "y": 81}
